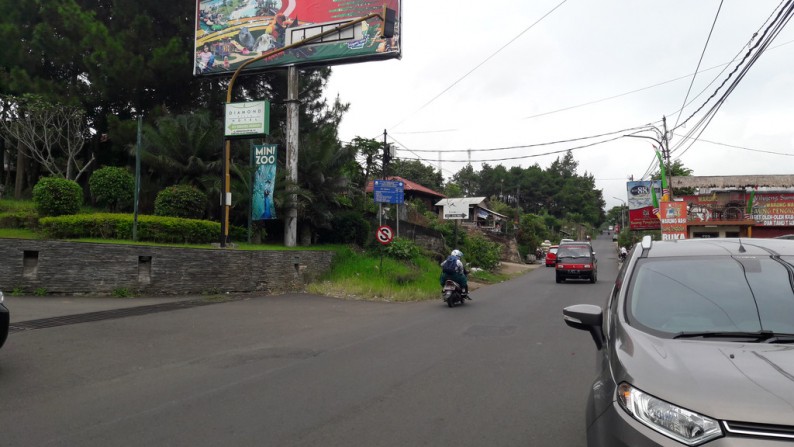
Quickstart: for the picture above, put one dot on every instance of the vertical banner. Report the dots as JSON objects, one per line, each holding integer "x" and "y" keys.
{"x": 673, "y": 220}
{"x": 262, "y": 207}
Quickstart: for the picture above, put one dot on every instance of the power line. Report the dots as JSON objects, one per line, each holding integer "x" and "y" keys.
{"x": 758, "y": 44}
{"x": 703, "y": 53}
{"x": 776, "y": 27}
{"x": 524, "y": 146}
{"x": 480, "y": 64}
{"x": 741, "y": 147}
{"x": 542, "y": 154}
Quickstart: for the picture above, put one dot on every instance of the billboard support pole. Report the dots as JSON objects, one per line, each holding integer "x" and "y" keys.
{"x": 291, "y": 221}
{"x": 293, "y": 173}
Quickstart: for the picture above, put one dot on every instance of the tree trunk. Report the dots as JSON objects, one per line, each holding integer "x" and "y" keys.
{"x": 22, "y": 162}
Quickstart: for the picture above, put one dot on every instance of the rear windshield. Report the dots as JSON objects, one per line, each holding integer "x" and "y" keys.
{"x": 573, "y": 251}
{"x": 742, "y": 294}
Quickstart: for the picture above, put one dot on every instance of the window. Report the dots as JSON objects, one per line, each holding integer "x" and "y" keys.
{"x": 744, "y": 294}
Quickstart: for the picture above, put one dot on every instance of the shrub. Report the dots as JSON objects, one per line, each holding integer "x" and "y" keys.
{"x": 119, "y": 226}
{"x": 404, "y": 249}
{"x": 180, "y": 201}
{"x": 480, "y": 252}
{"x": 112, "y": 188}
{"x": 57, "y": 196}
{"x": 347, "y": 227}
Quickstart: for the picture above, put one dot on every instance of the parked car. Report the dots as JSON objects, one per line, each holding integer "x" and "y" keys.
{"x": 695, "y": 346}
{"x": 576, "y": 260}
{"x": 5, "y": 319}
{"x": 551, "y": 256}
{"x": 786, "y": 236}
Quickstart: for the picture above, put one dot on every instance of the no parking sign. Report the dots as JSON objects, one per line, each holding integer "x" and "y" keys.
{"x": 384, "y": 234}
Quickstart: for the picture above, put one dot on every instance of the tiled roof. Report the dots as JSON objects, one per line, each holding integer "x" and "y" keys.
{"x": 408, "y": 186}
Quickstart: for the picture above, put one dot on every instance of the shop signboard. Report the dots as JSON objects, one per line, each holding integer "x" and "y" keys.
{"x": 673, "y": 221}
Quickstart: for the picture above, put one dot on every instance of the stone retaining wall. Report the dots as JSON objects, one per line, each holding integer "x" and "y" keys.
{"x": 87, "y": 268}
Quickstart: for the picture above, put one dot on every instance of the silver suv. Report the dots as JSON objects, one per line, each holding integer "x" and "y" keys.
{"x": 695, "y": 346}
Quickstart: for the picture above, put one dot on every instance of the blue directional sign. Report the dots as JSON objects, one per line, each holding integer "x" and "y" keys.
{"x": 389, "y": 191}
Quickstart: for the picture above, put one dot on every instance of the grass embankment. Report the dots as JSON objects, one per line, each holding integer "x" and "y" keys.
{"x": 355, "y": 274}
{"x": 367, "y": 276}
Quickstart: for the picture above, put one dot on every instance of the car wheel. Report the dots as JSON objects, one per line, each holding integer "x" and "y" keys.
{"x": 593, "y": 277}
{"x": 559, "y": 279}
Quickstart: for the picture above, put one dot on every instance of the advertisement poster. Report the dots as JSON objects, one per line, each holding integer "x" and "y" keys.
{"x": 673, "y": 220}
{"x": 640, "y": 202}
{"x": 230, "y": 32}
{"x": 773, "y": 210}
{"x": 264, "y": 157}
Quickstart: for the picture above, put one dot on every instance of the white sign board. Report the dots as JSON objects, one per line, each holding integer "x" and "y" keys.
{"x": 249, "y": 118}
{"x": 456, "y": 211}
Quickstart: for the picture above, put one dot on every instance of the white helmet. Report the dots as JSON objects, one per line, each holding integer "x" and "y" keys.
{"x": 457, "y": 253}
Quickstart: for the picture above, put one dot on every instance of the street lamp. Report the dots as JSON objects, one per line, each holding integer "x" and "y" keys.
{"x": 622, "y": 221}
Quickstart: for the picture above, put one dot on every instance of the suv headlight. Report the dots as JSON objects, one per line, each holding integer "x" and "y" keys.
{"x": 675, "y": 422}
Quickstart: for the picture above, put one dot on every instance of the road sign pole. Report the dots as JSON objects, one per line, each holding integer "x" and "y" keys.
{"x": 398, "y": 220}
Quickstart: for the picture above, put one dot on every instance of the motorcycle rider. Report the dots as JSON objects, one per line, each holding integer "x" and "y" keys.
{"x": 623, "y": 253}
{"x": 452, "y": 268}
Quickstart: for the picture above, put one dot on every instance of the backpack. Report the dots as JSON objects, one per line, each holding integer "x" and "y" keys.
{"x": 450, "y": 266}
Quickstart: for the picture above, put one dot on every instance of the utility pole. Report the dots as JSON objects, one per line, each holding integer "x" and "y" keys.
{"x": 666, "y": 154}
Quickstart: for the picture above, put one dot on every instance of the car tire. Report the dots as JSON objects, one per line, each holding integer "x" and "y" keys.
{"x": 559, "y": 279}
{"x": 593, "y": 277}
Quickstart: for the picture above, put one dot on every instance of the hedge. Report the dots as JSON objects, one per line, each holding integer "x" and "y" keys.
{"x": 119, "y": 226}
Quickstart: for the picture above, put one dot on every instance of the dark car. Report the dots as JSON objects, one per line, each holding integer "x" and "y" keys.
{"x": 695, "y": 346}
{"x": 5, "y": 318}
{"x": 551, "y": 256}
{"x": 576, "y": 260}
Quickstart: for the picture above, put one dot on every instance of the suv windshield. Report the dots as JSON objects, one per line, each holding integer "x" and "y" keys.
{"x": 573, "y": 251}
{"x": 713, "y": 294}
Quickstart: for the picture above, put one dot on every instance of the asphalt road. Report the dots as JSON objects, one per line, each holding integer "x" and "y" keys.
{"x": 303, "y": 370}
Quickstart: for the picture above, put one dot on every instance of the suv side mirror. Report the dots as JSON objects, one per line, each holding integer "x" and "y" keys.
{"x": 586, "y": 317}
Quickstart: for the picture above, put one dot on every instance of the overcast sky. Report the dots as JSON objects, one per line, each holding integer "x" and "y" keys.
{"x": 587, "y": 68}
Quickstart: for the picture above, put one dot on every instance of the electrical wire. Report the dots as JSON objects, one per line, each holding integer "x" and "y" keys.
{"x": 491, "y": 56}
{"x": 703, "y": 53}
{"x": 741, "y": 147}
{"x": 746, "y": 56}
{"x": 522, "y": 157}
{"x": 776, "y": 27}
{"x": 524, "y": 146}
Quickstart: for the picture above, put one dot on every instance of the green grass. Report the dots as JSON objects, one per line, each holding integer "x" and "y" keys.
{"x": 10, "y": 205}
{"x": 18, "y": 233}
{"x": 358, "y": 275}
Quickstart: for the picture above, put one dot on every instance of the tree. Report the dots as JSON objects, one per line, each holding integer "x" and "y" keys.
{"x": 677, "y": 169}
{"x": 51, "y": 134}
{"x": 418, "y": 172}
{"x": 368, "y": 150}
{"x": 468, "y": 181}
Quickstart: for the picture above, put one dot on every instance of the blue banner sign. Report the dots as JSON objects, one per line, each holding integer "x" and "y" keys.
{"x": 264, "y": 159}
{"x": 389, "y": 191}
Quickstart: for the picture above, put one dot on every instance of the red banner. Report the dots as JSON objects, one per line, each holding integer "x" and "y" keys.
{"x": 673, "y": 220}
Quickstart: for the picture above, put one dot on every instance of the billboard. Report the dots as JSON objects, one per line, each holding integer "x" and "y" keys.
{"x": 773, "y": 209}
{"x": 230, "y": 32}
{"x": 641, "y": 216}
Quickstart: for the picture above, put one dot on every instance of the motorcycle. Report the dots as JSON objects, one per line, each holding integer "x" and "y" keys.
{"x": 453, "y": 293}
